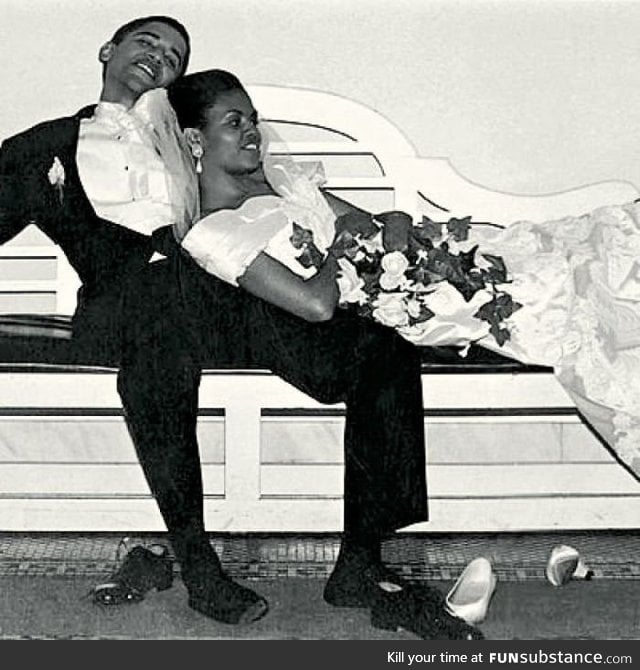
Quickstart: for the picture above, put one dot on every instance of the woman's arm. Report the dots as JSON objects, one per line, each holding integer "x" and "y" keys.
{"x": 312, "y": 299}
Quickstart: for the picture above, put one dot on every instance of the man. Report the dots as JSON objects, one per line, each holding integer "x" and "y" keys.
{"x": 97, "y": 184}
{"x": 85, "y": 180}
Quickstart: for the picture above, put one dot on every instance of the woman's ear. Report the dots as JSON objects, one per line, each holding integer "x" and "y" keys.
{"x": 193, "y": 137}
{"x": 106, "y": 52}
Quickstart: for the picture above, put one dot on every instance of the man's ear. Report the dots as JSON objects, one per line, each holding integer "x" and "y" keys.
{"x": 106, "y": 52}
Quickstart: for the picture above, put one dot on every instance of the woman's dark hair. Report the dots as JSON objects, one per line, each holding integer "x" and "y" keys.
{"x": 193, "y": 95}
{"x": 132, "y": 26}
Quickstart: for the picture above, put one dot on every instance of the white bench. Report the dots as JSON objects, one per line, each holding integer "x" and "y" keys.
{"x": 505, "y": 447}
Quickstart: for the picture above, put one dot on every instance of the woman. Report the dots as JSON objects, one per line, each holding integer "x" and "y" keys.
{"x": 268, "y": 229}
{"x": 181, "y": 319}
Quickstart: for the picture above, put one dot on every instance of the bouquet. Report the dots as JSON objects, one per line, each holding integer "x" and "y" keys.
{"x": 423, "y": 279}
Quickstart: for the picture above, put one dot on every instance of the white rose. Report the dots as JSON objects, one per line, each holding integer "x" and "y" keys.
{"x": 391, "y": 280}
{"x": 413, "y": 308}
{"x": 395, "y": 262}
{"x": 350, "y": 285}
{"x": 390, "y": 310}
{"x": 394, "y": 265}
{"x": 445, "y": 299}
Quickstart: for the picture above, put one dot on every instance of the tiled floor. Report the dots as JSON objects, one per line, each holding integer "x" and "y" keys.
{"x": 46, "y": 582}
{"x": 515, "y": 557}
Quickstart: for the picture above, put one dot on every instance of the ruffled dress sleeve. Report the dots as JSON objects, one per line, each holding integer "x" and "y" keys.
{"x": 226, "y": 242}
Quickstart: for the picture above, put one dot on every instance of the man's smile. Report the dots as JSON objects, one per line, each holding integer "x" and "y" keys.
{"x": 150, "y": 70}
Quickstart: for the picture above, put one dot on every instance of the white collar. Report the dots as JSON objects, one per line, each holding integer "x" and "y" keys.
{"x": 117, "y": 114}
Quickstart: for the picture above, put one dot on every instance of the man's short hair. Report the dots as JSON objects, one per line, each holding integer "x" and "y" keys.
{"x": 132, "y": 26}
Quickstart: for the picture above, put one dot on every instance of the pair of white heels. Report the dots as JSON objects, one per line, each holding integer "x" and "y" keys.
{"x": 471, "y": 594}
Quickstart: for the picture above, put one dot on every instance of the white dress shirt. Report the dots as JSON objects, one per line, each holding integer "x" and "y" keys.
{"x": 121, "y": 171}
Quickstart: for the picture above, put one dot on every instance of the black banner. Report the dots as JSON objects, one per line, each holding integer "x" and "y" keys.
{"x": 326, "y": 654}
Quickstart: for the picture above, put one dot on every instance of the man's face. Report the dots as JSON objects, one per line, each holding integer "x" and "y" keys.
{"x": 152, "y": 56}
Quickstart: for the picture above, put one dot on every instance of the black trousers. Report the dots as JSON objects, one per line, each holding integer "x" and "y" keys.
{"x": 178, "y": 320}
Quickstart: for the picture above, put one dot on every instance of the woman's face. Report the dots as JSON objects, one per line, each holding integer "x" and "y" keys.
{"x": 231, "y": 139}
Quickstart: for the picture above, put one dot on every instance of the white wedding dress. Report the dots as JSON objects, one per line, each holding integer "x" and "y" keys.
{"x": 577, "y": 278}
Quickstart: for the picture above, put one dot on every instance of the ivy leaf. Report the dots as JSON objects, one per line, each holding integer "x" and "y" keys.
{"x": 498, "y": 271}
{"x": 501, "y": 335}
{"x": 417, "y": 243}
{"x": 423, "y": 275}
{"x": 311, "y": 256}
{"x": 428, "y": 230}
{"x": 424, "y": 315}
{"x": 459, "y": 228}
{"x": 371, "y": 281}
{"x": 499, "y": 308}
{"x": 396, "y": 230}
{"x": 344, "y": 244}
{"x": 369, "y": 264}
{"x": 468, "y": 259}
{"x": 449, "y": 267}
{"x": 356, "y": 223}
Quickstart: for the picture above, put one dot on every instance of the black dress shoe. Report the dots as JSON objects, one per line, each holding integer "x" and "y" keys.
{"x": 414, "y": 609}
{"x": 357, "y": 581}
{"x": 143, "y": 569}
{"x": 225, "y": 600}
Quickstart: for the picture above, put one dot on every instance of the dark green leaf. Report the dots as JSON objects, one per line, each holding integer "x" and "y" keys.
{"x": 459, "y": 228}
{"x": 498, "y": 270}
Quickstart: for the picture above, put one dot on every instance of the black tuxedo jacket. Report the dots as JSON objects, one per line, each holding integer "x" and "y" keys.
{"x": 104, "y": 255}
{"x": 101, "y": 252}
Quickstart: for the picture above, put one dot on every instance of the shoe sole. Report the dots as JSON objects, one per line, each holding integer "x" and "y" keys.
{"x": 253, "y": 613}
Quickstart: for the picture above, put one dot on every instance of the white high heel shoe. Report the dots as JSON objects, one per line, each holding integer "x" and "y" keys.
{"x": 470, "y": 596}
{"x": 564, "y": 564}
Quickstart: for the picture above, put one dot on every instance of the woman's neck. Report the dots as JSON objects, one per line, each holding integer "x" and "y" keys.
{"x": 222, "y": 190}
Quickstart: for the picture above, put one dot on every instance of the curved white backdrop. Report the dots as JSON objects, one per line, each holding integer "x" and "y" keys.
{"x": 526, "y": 97}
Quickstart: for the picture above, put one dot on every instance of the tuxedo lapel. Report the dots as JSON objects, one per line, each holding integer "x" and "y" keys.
{"x": 75, "y": 202}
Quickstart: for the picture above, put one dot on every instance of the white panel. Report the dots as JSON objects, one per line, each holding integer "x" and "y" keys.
{"x": 579, "y": 443}
{"x": 466, "y": 481}
{"x": 494, "y": 442}
{"x": 470, "y": 390}
{"x": 103, "y": 480}
{"x": 123, "y": 515}
{"x": 301, "y": 441}
{"x": 87, "y": 439}
{"x": 29, "y": 269}
{"x": 32, "y": 303}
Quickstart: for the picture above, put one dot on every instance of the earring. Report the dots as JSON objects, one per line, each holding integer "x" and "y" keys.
{"x": 196, "y": 152}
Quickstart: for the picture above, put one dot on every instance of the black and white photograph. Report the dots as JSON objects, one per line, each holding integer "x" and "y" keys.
{"x": 320, "y": 321}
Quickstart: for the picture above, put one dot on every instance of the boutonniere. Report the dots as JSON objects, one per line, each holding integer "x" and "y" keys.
{"x": 56, "y": 177}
